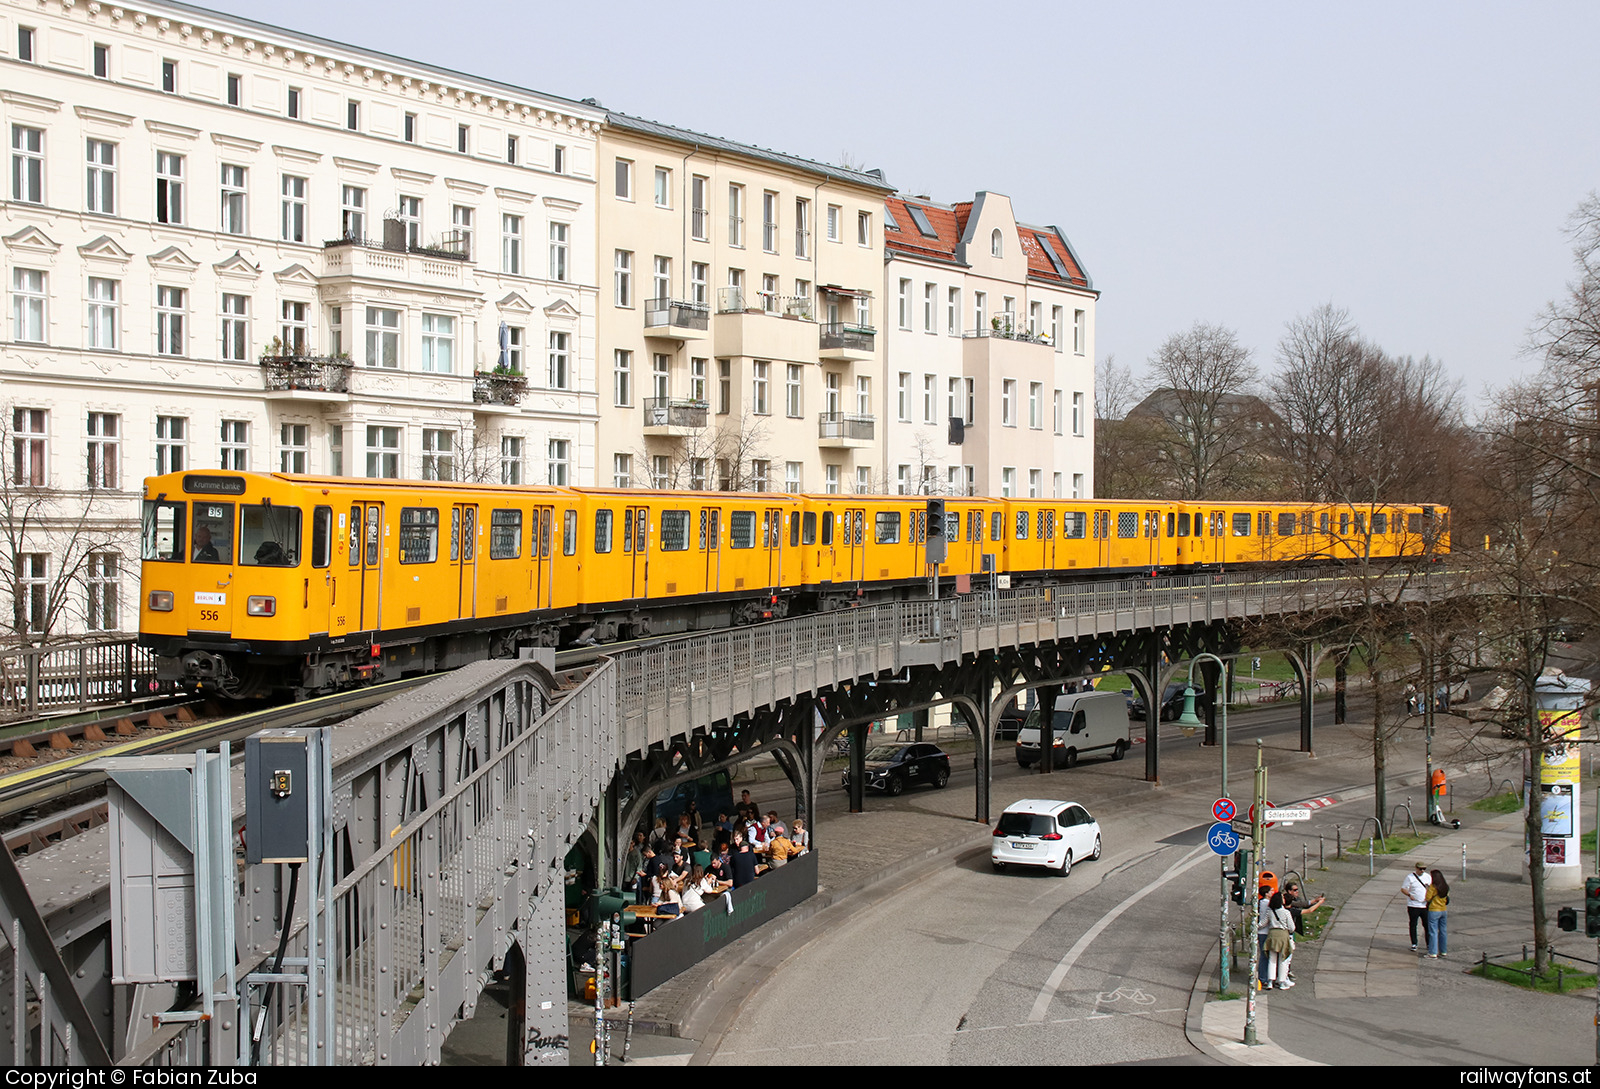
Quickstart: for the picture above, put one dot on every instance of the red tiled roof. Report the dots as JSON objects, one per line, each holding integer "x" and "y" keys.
{"x": 1034, "y": 243}
{"x": 963, "y": 213}
{"x": 908, "y": 239}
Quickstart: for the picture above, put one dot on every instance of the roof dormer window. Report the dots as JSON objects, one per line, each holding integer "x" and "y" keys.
{"x": 997, "y": 246}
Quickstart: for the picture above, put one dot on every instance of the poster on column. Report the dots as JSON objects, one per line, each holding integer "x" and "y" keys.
{"x": 1559, "y": 761}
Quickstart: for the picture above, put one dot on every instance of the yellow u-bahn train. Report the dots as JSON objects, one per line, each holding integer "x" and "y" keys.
{"x": 254, "y": 583}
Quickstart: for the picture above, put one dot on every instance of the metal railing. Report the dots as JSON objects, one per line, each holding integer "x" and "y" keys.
{"x": 677, "y": 313}
{"x": 730, "y": 300}
{"x": 77, "y": 675}
{"x": 491, "y": 388}
{"x": 1006, "y": 327}
{"x": 846, "y": 335}
{"x": 675, "y": 412}
{"x": 842, "y": 425}
{"x": 314, "y": 373}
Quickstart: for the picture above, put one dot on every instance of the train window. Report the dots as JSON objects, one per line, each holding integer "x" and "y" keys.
{"x": 674, "y": 531}
{"x": 505, "y": 534}
{"x": 322, "y": 537}
{"x": 627, "y": 531}
{"x": 569, "y": 532}
{"x": 419, "y": 534}
{"x": 269, "y": 536}
{"x": 374, "y": 520}
{"x": 713, "y": 529}
{"x": 1183, "y": 524}
{"x": 1172, "y": 524}
{"x": 1072, "y": 524}
{"x": 794, "y": 529}
{"x": 211, "y": 536}
{"x": 1218, "y": 523}
{"x": 952, "y": 528}
{"x": 1241, "y": 524}
{"x": 355, "y": 536}
{"x": 997, "y": 523}
{"x": 602, "y": 530}
{"x": 1127, "y": 523}
{"x": 163, "y": 531}
{"x": 742, "y": 529}
{"x": 827, "y": 527}
{"x": 1049, "y": 525}
{"x": 1322, "y": 522}
{"x": 455, "y": 534}
{"x": 1344, "y": 522}
{"x": 1286, "y": 524}
{"x": 1380, "y": 522}
{"x": 1413, "y": 522}
{"x": 808, "y": 530}
{"x": 887, "y": 530}
{"x": 1361, "y": 523}
{"x": 860, "y": 525}
{"x": 974, "y": 525}
{"x": 544, "y": 534}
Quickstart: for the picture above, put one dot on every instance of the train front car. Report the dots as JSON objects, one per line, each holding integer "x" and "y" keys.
{"x": 229, "y": 563}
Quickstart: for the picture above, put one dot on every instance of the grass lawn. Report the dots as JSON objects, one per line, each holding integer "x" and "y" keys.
{"x": 1554, "y": 981}
{"x": 1508, "y": 802}
{"x": 1397, "y": 844}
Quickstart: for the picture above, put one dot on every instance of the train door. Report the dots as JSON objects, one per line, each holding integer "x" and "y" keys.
{"x": 1102, "y": 538}
{"x": 853, "y": 529}
{"x": 464, "y": 557}
{"x": 539, "y": 575}
{"x": 1046, "y": 532}
{"x": 710, "y": 544}
{"x": 772, "y": 541}
{"x": 1152, "y": 537}
{"x": 366, "y": 564}
{"x": 1219, "y": 536}
{"x": 635, "y": 542}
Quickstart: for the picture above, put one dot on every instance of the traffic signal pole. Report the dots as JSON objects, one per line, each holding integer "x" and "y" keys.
{"x": 1257, "y": 853}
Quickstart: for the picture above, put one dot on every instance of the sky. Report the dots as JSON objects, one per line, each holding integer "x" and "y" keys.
{"x": 1238, "y": 164}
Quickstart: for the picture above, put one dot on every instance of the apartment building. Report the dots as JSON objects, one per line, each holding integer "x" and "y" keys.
{"x": 989, "y": 365}
{"x": 740, "y": 329}
{"x": 229, "y": 245}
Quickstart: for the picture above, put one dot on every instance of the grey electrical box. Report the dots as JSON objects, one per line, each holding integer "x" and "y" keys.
{"x": 279, "y": 766}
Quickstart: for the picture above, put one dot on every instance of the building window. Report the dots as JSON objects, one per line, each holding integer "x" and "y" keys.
{"x": 622, "y": 470}
{"x": 169, "y": 76}
{"x": 902, "y": 480}
{"x": 557, "y": 457}
{"x": 864, "y": 395}
{"x": 336, "y": 450}
{"x": 622, "y": 278}
{"x": 170, "y": 311}
{"x": 235, "y": 327}
{"x": 27, "y": 164}
{"x": 438, "y": 454}
{"x": 102, "y": 591}
{"x": 383, "y": 337}
{"x": 769, "y": 222}
{"x": 662, "y": 282}
{"x": 1008, "y": 483}
{"x": 1077, "y": 414}
{"x": 233, "y": 204}
{"x": 791, "y": 476}
{"x": 660, "y": 472}
{"x": 699, "y": 283}
{"x": 699, "y": 213}
{"x": 235, "y": 445}
{"x": 25, "y": 43}
{"x": 510, "y": 459}
{"x": 461, "y": 230}
{"x": 463, "y": 138}
{"x": 830, "y": 479}
{"x": 952, "y": 312}
{"x": 930, "y": 294}
{"x": 1055, "y": 328}
{"x": 1057, "y": 407}
{"x": 996, "y": 243}
{"x": 905, "y": 304}
{"x": 516, "y": 342}
{"x": 30, "y": 438}
{"x": 1035, "y": 482}
{"x": 352, "y": 213}
{"x": 769, "y": 293}
{"x": 864, "y": 229}
{"x": 558, "y": 159}
{"x": 758, "y": 387}
{"x": 295, "y": 331}
{"x": 697, "y": 380}
{"x": 622, "y": 378}
{"x": 697, "y": 473}
{"x": 27, "y": 305}
{"x": 102, "y": 61}
{"x": 1055, "y": 487}
{"x": 624, "y": 179}
{"x": 102, "y": 179}
{"x": 293, "y": 447}
{"x": 235, "y": 89}
{"x": 980, "y": 305}
{"x": 336, "y": 331}
{"x": 438, "y": 343}
{"x": 352, "y": 115}
{"x": 802, "y": 227}
{"x": 410, "y": 217}
{"x": 863, "y": 479}
{"x": 383, "y": 452}
{"x": 511, "y": 150}
{"x": 1036, "y": 405}
{"x": 293, "y": 107}
{"x": 1035, "y": 318}
{"x": 1008, "y": 402}
{"x": 663, "y": 187}
{"x": 169, "y": 187}
{"x": 172, "y": 444}
{"x": 1077, "y": 486}
{"x": 511, "y": 244}
{"x": 560, "y": 374}
{"x": 31, "y": 612}
{"x": 724, "y": 386}
{"x": 558, "y": 251}
{"x": 102, "y": 312}
{"x": 903, "y": 397}
{"x": 792, "y": 391}
{"x": 1080, "y": 331}
{"x": 930, "y": 399}
{"x": 835, "y": 213}
{"x": 760, "y": 475}
{"x": 660, "y": 376}
{"x": 736, "y": 215}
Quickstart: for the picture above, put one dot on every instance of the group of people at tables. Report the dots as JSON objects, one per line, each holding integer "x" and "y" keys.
{"x": 677, "y": 872}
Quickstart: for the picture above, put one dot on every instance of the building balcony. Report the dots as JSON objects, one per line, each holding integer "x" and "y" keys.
{"x": 844, "y": 340}
{"x": 765, "y": 325}
{"x": 842, "y": 431}
{"x": 443, "y": 264}
{"x": 673, "y": 417}
{"x": 674, "y": 319}
{"x": 498, "y": 388}
{"x": 1006, "y": 327}
{"x": 306, "y": 377}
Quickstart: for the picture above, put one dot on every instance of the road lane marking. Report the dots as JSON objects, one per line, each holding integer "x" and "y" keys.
{"x": 1047, "y": 993}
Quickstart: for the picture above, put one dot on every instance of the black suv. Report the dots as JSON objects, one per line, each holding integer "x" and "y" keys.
{"x": 1171, "y": 703}
{"x": 892, "y": 768}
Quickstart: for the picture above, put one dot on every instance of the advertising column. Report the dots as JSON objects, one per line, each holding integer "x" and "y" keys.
{"x": 1560, "y": 702}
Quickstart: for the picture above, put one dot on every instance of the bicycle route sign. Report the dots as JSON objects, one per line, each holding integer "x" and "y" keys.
{"x": 1223, "y": 809}
{"x": 1222, "y": 839}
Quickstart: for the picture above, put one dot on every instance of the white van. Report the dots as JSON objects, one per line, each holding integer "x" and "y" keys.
{"x": 1084, "y": 722}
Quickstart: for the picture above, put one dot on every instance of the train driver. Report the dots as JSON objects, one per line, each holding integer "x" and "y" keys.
{"x": 204, "y": 550}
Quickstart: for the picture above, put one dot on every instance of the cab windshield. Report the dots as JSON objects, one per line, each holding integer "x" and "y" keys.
{"x": 211, "y": 537}
{"x": 161, "y": 532}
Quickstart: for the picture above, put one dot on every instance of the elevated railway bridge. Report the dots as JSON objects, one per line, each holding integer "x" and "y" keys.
{"x": 456, "y": 803}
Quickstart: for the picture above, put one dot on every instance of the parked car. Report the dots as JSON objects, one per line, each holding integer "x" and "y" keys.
{"x": 1171, "y": 702}
{"x": 1084, "y": 722}
{"x": 1049, "y": 834}
{"x": 892, "y": 768}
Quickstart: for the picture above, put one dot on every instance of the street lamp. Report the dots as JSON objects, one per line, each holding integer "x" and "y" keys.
{"x": 1189, "y": 720}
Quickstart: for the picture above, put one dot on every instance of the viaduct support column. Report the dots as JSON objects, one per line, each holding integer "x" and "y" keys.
{"x": 1047, "y": 727}
{"x": 858, "y": 766}
{"x": 1152, "y": 710}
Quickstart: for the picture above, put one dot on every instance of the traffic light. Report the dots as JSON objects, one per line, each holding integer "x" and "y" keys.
{"x": 1591, "y": 906}
{"x": 1235, "y": 878}
{"x": 1567, "y": 919}
{"x": 936, "y": 528}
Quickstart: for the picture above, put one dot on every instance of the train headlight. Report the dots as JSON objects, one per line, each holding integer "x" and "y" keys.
{"x": 161, "y": 601}
{"x": 261, "y": 606}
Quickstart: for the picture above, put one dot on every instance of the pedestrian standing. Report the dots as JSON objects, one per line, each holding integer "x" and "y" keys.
{"x": 1280, "y": 942}
{"x": 1415, "y": 889}
{"x": 1438, "y": 905}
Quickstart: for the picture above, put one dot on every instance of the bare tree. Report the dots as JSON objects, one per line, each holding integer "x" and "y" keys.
{"x": 1212, "y": 440}
{"x": 1115, "y": 390}
{"x": 52, "y": 537}
{"x": 719, "y": 458}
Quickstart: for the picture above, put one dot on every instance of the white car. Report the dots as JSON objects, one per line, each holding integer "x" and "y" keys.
{"x": 1039, "y": 832}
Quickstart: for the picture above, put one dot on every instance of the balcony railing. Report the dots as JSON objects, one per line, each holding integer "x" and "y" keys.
{"x": 498, "y": 388}
{"x": 449, "y": 247}
{"x": 314, "y": 373}
{"x": 676, "y": 313}
{"x": 848, "y": 335}
{"x": 730, "y": 300}
{"x": 697, "y": 224}
{"x": 1006, "y": 327}
{"x": 675, "y": 412}
{"x": 841, "y": 425}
